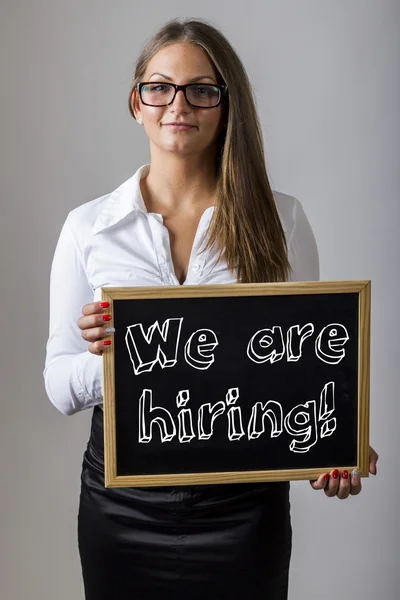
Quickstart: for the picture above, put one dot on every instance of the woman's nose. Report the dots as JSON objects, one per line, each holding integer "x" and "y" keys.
{"x": 180, "y": 100}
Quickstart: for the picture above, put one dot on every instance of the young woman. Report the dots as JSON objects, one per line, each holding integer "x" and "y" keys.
{"x": 202, "y": 212}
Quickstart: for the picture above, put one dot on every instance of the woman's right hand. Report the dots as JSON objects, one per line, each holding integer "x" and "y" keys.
{"x": 95, "y": 326}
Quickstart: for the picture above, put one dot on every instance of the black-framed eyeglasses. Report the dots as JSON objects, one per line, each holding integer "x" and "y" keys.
{"x": 198, "y": 95}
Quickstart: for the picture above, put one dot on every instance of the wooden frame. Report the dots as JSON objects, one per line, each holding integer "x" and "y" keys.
{"x": 362, "y": 288}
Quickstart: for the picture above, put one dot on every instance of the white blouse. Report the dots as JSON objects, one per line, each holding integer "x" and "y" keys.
{"x": 114, "y": 241}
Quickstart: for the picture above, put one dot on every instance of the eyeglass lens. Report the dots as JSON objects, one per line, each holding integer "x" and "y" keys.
{"x": 202, "y": 95}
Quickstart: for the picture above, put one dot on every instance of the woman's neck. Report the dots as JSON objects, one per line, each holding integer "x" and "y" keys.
{"x": 179, "y": 184}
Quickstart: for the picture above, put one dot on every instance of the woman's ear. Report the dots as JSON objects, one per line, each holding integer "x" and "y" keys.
{"x": 136, "y": 104}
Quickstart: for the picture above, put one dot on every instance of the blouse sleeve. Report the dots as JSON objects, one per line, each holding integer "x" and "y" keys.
{"x": 72, "y": 375}
{"x": 302, "y": 248}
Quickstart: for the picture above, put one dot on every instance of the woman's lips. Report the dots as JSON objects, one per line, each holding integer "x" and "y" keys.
{"x": 175, "y": 127}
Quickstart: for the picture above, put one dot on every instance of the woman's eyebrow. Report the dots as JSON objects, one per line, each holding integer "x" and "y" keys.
{"x": 190, "y": 81}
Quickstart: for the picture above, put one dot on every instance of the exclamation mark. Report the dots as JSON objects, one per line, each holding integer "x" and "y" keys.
{"x": 326, "y": 408}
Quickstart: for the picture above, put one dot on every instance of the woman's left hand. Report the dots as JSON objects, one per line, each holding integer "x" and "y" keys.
{"x": 344, "y": 484}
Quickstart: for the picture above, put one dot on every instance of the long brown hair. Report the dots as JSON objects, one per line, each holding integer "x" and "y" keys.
{"x": 245, "y": 228}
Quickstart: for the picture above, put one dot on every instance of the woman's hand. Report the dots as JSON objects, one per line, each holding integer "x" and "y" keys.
{"x": 344, "y": 484}
{"x": 95, "y": 326}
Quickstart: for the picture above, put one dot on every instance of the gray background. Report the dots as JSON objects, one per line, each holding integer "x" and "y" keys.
{"x": 326, "y": 77}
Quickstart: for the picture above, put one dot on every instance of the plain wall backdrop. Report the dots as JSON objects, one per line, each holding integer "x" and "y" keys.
{"x": 327, "y": 81}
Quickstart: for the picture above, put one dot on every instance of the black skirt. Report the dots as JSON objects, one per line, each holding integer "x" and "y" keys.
{"x": 214, "y": 542}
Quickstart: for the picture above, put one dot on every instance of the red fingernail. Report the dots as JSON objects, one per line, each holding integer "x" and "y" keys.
{"x": 107, "y": 343}
{"x": 335, "y": 474}
{"x": 345, "y": 474}
{"x": 326, "y": 477}
{"x": 106, "y": 317}
{"x": 104, "y": 304}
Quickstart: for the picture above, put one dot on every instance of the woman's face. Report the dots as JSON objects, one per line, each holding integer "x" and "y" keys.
{"x": 180, "y": 63}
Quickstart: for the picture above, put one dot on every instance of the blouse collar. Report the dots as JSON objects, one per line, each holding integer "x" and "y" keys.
{"x": 122, "y": 201}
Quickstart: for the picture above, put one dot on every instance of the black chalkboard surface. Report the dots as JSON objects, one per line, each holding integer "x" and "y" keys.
{"x": 230, "y": 383}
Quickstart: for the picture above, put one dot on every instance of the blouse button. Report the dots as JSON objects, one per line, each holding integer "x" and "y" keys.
{"x": 196, "y": 267}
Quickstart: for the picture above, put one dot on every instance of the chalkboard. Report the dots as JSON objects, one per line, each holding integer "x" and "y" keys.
{"x": 235, "y": 383}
